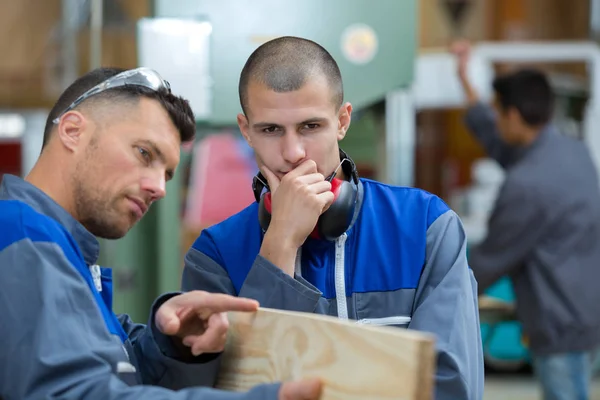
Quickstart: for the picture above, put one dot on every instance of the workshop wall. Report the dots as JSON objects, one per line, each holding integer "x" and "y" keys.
{"x": 30, "y": 43}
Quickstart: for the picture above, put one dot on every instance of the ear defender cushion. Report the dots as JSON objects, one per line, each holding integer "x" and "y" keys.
{"x": 338, "y": 217}
{"x": 264, "y": 211}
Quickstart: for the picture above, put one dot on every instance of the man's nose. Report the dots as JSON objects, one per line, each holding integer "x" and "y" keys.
{"x": 293, "y": 148}
{"x": 155, "y": 185}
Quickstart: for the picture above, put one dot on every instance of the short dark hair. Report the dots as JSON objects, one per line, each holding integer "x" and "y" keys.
{"x": 529, "y": 92}
{"x": 284, "y": 64}
{"x": 177, "y": 107}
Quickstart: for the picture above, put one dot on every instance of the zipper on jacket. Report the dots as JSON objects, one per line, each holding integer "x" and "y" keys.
{"x": 399, "y": 320}
{"x": 126, "y": 352}
{"x": 340, "y": 277}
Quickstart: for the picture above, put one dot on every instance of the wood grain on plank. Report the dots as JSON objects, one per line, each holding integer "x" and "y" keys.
{"x": 354, "y": 361}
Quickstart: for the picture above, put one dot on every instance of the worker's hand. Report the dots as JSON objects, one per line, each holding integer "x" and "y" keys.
{"x": 199, "y": 319}
{"x": 462, "y": 50}
{"x": 297, "y": 201}
{"x": 308, "y": 389}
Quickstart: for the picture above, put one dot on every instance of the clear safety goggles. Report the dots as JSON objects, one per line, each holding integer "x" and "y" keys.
{"x": 142, "y": 76}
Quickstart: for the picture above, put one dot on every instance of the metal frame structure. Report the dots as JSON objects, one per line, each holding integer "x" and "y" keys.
{"x": 436, "y": 86}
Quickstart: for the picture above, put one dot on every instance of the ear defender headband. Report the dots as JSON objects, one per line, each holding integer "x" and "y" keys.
{"x": 339, "y": 216}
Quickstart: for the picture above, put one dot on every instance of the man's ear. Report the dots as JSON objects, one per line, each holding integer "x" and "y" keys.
{"x": 242, "y": 121}
{"x": 71, "y": 129}
{"x": 514, "y": 116}
{"x": 344, "y": 118}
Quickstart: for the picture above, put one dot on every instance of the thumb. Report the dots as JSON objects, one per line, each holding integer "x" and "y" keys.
{"x": 168, "y": 318}
{"x": 272, "y": 179}
{"x": 308, "y": 389}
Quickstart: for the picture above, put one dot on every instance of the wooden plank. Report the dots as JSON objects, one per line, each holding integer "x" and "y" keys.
{"x": 495, "y": 304}
{"x": 354, "y": 361}
{"x": 493, "y": 311}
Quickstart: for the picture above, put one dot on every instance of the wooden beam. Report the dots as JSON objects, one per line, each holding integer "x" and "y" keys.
{"x": 510, "y": 22}
{"x": 354, "y": 361}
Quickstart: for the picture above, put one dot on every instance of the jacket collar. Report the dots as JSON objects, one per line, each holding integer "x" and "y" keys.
{"x": 15, "y": 188}
{"x": 543, "y": 136}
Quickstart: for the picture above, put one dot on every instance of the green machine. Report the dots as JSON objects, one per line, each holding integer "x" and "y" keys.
{"x": 374, "y": 43}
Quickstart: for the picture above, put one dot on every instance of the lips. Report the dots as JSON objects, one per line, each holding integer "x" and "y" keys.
{"x": 138, "y": 206}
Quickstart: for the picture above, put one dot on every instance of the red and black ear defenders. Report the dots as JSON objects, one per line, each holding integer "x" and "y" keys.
{"x": 338, "y": 217}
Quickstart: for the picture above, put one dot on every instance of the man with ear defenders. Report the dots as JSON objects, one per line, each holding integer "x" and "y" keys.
{"x": 320, "y": 239}
{"x": 329, "y": 202}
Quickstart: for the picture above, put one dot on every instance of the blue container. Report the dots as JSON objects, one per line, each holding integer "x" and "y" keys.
{"x": 503, "y": 346}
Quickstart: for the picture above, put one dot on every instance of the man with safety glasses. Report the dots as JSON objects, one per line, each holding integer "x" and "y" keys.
{"x": 111, "y": 142}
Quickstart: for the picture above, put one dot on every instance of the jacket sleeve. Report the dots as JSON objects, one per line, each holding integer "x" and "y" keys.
{"x": 446, "y": 305}
{"x": 514, "y": 228}
{"x": 54, "y": 341}
{"x": 481, "y": 122}
{"x": 265, "y": 282}
{"x": 163, "y": 364}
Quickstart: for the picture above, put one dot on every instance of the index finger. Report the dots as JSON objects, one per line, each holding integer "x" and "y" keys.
{"x": 305, "y": 168}
{"x": 272, "y": 179}
{"x": 218, "y": 302}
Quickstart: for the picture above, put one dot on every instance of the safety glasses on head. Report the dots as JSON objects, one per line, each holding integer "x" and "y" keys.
{"x": 142, "y": 76}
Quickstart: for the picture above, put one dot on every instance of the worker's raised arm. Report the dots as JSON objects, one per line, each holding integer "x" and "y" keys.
{"x": 480, "y": 119}
{"x": 462, "y": 51}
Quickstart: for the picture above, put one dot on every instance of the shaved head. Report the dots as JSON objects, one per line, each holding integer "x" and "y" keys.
{"x": 285, "y": 64}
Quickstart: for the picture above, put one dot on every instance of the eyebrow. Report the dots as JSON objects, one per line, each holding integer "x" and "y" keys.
{"x": 315, "y": 120}
{"x": 170, "y": 173}
{"x": 260, "y": 125}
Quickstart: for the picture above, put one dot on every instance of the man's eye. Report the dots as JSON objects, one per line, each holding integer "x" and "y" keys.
{"x": 270, "y": 129}
{"x": 145, "y": 154}
{"x": 311, "y": 126}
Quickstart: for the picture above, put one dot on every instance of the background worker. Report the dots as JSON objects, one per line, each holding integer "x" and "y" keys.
{"x": 544, "y": 232}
